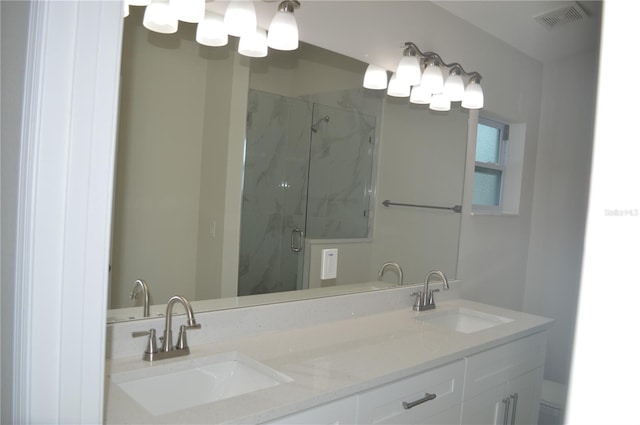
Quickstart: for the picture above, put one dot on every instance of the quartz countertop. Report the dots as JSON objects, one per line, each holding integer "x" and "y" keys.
{"x": 327, "y": 362}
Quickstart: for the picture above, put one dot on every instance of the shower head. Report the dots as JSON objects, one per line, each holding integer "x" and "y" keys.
{"x": 315, "y": 126}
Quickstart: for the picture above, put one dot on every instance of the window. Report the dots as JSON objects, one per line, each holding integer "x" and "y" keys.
{"x": 490, "y": 164}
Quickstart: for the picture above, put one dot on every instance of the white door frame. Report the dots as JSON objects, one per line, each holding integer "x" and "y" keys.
{"x": 64, "y": 210}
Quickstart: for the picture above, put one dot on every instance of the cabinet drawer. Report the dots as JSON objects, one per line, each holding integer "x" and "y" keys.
{"x": 497, "y": 365}
{"x": 385, "y": 404}
{"x": 341, "y": 411}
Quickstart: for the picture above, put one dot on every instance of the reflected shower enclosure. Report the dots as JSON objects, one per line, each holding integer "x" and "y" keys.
{"x": 307, "y": 174}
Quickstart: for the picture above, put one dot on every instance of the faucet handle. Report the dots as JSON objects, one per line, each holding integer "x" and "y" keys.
{"x": 419, "y": 300}
{"x": 152, "y": 347}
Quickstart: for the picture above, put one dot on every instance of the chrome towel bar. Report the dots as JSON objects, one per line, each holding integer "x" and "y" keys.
{"x": 455, "y": 208}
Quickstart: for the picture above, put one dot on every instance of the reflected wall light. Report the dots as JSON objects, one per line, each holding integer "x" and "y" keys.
{"x": 160, "y": 17}
{"x": 188, "y": 10}
{"x": 375, "y": 78}
{"x": 283, "y": 30}
{"x": 239, "y": 20}
{"x": 210, "y": 31}
{"x": 431, "y": 88}
{"x": 254, "y": 45}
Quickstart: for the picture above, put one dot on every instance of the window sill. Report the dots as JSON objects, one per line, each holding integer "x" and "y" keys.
{"x": 496, "y": 213}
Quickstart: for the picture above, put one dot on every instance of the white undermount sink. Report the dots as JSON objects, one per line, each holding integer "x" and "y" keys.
{"x": 463, "y": 320}
{"x": 166, "y": 388}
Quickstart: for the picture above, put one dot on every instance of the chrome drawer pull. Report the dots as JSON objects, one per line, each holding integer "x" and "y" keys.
{"x": 514, "y": 397}
{"x": 426, "y": 398}
{"x": 507, "y": 406}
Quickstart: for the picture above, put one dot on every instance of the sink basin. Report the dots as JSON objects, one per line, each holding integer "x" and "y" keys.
{"x": 175, "y": 386}
{"x": 463, "y": 320}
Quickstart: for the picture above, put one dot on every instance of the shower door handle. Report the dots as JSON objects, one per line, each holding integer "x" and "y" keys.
{"x": 296, "y": 234}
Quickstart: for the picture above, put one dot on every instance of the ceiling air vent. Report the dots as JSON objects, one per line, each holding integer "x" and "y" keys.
{"x": 562, "y": 15}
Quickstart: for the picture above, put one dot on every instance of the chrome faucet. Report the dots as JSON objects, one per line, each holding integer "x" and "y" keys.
{"x": 395, "y": 266}
{"x": 168, "y": 350}
{"x": 424, "y": 299}
{"x": 140, "y": 283}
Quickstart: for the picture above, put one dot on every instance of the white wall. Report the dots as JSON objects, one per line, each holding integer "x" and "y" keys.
{"x": 560, "y": 201}
{"x": 14, "y": 26}
{"x": 604, "y": 376}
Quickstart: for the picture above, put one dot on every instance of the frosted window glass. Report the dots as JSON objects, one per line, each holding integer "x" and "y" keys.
{"x": 486, "y": 186}
{"x": 488, "y": 144}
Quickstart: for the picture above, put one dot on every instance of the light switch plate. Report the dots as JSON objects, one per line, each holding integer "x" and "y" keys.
{"x": 329, "y": 266}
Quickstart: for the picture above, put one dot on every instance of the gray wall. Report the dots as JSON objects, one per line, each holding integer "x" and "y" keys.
{"x": 15, "y": 24}
{"x": 562, "y": 174}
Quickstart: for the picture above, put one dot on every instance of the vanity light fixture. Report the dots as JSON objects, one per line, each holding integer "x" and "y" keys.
{"x": 431, "y": 88}
{"x": 283, "y": 30}
{"x": 239, "y": 20}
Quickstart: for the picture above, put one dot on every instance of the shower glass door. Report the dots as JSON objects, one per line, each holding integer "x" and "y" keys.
{"x": 307, "y": 174}
{"x": 274, "y": 198}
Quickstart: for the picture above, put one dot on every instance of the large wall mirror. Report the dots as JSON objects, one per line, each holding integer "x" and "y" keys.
{"x": 233, "y": 174}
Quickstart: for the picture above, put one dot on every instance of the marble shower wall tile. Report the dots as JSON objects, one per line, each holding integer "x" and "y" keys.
{"x": 295, "y": 178}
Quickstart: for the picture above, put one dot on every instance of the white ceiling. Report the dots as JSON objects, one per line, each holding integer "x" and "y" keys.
{"x": 512, "y": 21}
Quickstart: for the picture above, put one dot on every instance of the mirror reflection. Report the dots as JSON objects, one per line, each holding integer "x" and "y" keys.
{"x": 233, "y": 174}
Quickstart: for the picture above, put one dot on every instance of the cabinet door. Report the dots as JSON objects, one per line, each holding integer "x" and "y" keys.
{"x": 341, "y": 411}
{"x": 527, "y": 388}
{"x": 486, "y": 408}
{"x": 384, "y": 405}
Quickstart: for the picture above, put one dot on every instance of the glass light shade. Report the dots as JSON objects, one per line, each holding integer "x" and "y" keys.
{"x": 139, "y": 2}
{"x": 283, "y": 31}
{"x": 398, "y": 88}
{"x": 188, "y": 10}
{"x": 473, "y": 96}
{"x": 454, "y": 88}
{"x": 375, "y": 78}
{"x": 420, "y": 95}
{"x": 211, "y": 31}
{"x": 440, "y": 102}
{"x": 254, "y": 45}
{"x": 432, "y": 78}
{"x": 240, "y": 18}
{"x": 160, "y": 17}
{"x": 409, "y": 70}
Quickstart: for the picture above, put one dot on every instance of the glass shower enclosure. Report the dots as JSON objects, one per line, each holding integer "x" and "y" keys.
{"x": 307, "y": 174}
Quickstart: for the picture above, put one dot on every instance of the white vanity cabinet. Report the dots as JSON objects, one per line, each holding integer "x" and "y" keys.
{"x": 432, "y": 397}
{"x": 338, "y": 412}
{"x": 503, "y": 384}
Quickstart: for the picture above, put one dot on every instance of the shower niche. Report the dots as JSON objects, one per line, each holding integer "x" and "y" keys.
{"x": 307, "y": 174}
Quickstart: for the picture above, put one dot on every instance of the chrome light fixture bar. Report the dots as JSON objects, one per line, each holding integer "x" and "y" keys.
{"x": 420, "y": 76}
{"x": 239, "y": 20}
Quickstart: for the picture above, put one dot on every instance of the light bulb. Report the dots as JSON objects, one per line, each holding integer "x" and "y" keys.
{"x": 188, "y": 10}
{"x": 160, "y": 17}
{"x": 454, "y": 88}
{"x": 240, "y": 18}
{"x": 211, "y": 31}
{"x": 254, "y": 45}
{"x": 409, "y": 71}
{"x": 473, "y": 96}
{"x": 420, "y": 95}
{"x": 398, "y": 88}
{"x": 440, "y": 102}
{"x": 283, "y": 30}
{"x": 432, "y": 78}
{"x": 375, "y": 78}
